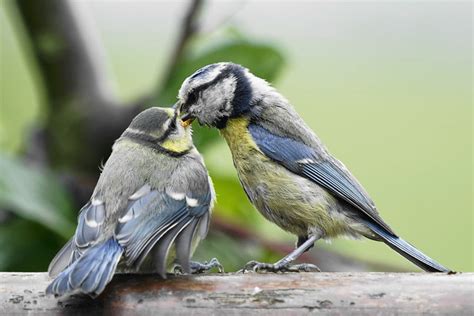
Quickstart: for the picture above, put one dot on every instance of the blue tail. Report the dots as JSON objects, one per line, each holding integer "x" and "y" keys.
{"x": 407, "y": 250}
{"x": 90, "y": 273}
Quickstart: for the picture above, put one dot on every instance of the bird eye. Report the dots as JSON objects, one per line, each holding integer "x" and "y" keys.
{"x": 192, "y": 97}
{"x": 172, "y": 125}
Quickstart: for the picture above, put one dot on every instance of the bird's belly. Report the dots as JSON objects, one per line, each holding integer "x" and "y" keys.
{"x": 292, "y": 202}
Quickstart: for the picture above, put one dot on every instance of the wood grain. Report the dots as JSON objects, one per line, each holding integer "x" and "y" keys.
{"x": 233, "y": 294}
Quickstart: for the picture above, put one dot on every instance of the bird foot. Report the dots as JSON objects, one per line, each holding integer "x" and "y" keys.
{"x": 198, "y": 267}
{"x": 256, "y": 266}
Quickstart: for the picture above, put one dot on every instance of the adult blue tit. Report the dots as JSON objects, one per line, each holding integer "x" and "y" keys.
{"x": 151, "y": 205}
{"x": 284, "y": 168}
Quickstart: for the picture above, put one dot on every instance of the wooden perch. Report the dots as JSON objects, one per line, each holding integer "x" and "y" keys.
{"x": 230, "y": 294}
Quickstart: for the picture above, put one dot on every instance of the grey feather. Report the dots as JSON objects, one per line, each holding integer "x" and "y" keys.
{"x": 155, "y": 214}
{"x": 162, "y": 247}
{"x": 408, "y": 251}
{"x": 90, "y": 223}
{"x": 62, "y": 260}
{"x": 203, "y": 226}
{"x": 155, "y": 239}
{"x": 183, "y": 245}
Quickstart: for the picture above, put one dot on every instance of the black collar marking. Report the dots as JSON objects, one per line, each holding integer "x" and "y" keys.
{"x": 242, "y": 101}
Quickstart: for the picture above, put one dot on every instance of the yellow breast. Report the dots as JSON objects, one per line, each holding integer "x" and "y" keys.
{"x": 292, "y": 202}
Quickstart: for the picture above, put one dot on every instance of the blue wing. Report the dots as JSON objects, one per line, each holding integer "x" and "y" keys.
{"x": 90, "y": 225}
{"x": 152, "y": 220}
{"x": 304, "y": 161}
{"x": 155, "y": 220}
{"x": 90, "y": 272}
{"x": 87, "y": 262}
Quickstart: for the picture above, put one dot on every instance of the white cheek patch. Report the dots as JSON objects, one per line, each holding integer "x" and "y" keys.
{"x": 222, "y": 93}
{"x": 165, "y": 125}
{"x": 191, "y": 202}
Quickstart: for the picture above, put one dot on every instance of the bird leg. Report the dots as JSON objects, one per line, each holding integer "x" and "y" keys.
{"x": 283, "y": 265}
{"x": 198, "y": 267}
{"x": 301, "y": 240}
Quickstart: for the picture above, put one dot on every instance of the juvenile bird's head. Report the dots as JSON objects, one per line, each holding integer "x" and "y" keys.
{"x": 217, "y": 92}
{"x": 160, "y": 127}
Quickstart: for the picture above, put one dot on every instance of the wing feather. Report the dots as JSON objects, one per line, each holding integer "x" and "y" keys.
{"x": 184, "y": 243}
{"x": 152, "y": 222}
{"x": 90, "y": 225}
{"x": 161, "y": 250}
{"x": 306, "y": 162}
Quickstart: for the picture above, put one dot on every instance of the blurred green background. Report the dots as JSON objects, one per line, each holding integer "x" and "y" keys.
{"x": 386, "y": 85}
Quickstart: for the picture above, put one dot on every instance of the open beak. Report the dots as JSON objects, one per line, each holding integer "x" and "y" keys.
{"x": 186, "y": 120}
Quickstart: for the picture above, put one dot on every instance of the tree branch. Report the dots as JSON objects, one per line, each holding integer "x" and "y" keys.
{"x": 83, "y": 113}
{"x": 189, "y": 28}
{"x": 251, "y": 294}
{"x": 67, "y": 52}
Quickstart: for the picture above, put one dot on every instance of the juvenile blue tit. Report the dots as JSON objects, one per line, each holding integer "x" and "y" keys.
{"x": 285, "y": 170}
{"x": 153, "y": 201}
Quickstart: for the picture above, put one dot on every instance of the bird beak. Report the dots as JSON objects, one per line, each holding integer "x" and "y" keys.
{"x": 186, "y": 120}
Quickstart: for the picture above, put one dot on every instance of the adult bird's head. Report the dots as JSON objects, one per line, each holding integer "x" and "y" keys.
{"x": 217, "y": 92}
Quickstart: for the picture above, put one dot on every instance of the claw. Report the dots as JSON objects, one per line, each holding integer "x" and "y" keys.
{"x": 256, "y": 266}
{"x": 177, "y": 269}
{"x": 304, "y": 267}
{"x": 197, "y": 267}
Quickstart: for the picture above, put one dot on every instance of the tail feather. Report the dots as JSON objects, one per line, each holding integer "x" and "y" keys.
{"x": 90, "y": 273}
{"x": 82, "y": 272}
{"x": 161, "y": 249}
{"x": 407, "y": 250}
{"x": 102, "y": 282}
{"x": 61, "y": 260}
{"x": 183, "y": 244}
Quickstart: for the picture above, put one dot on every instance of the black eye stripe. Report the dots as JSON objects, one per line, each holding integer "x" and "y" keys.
{"x": 194, "y": 93}
{"x": 192, "y": 97}
{"x": 172, "y": 124}
{"x": 171, "y": 127}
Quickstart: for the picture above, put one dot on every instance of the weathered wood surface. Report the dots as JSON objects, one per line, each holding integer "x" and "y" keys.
{"x": 231, "y": 294}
